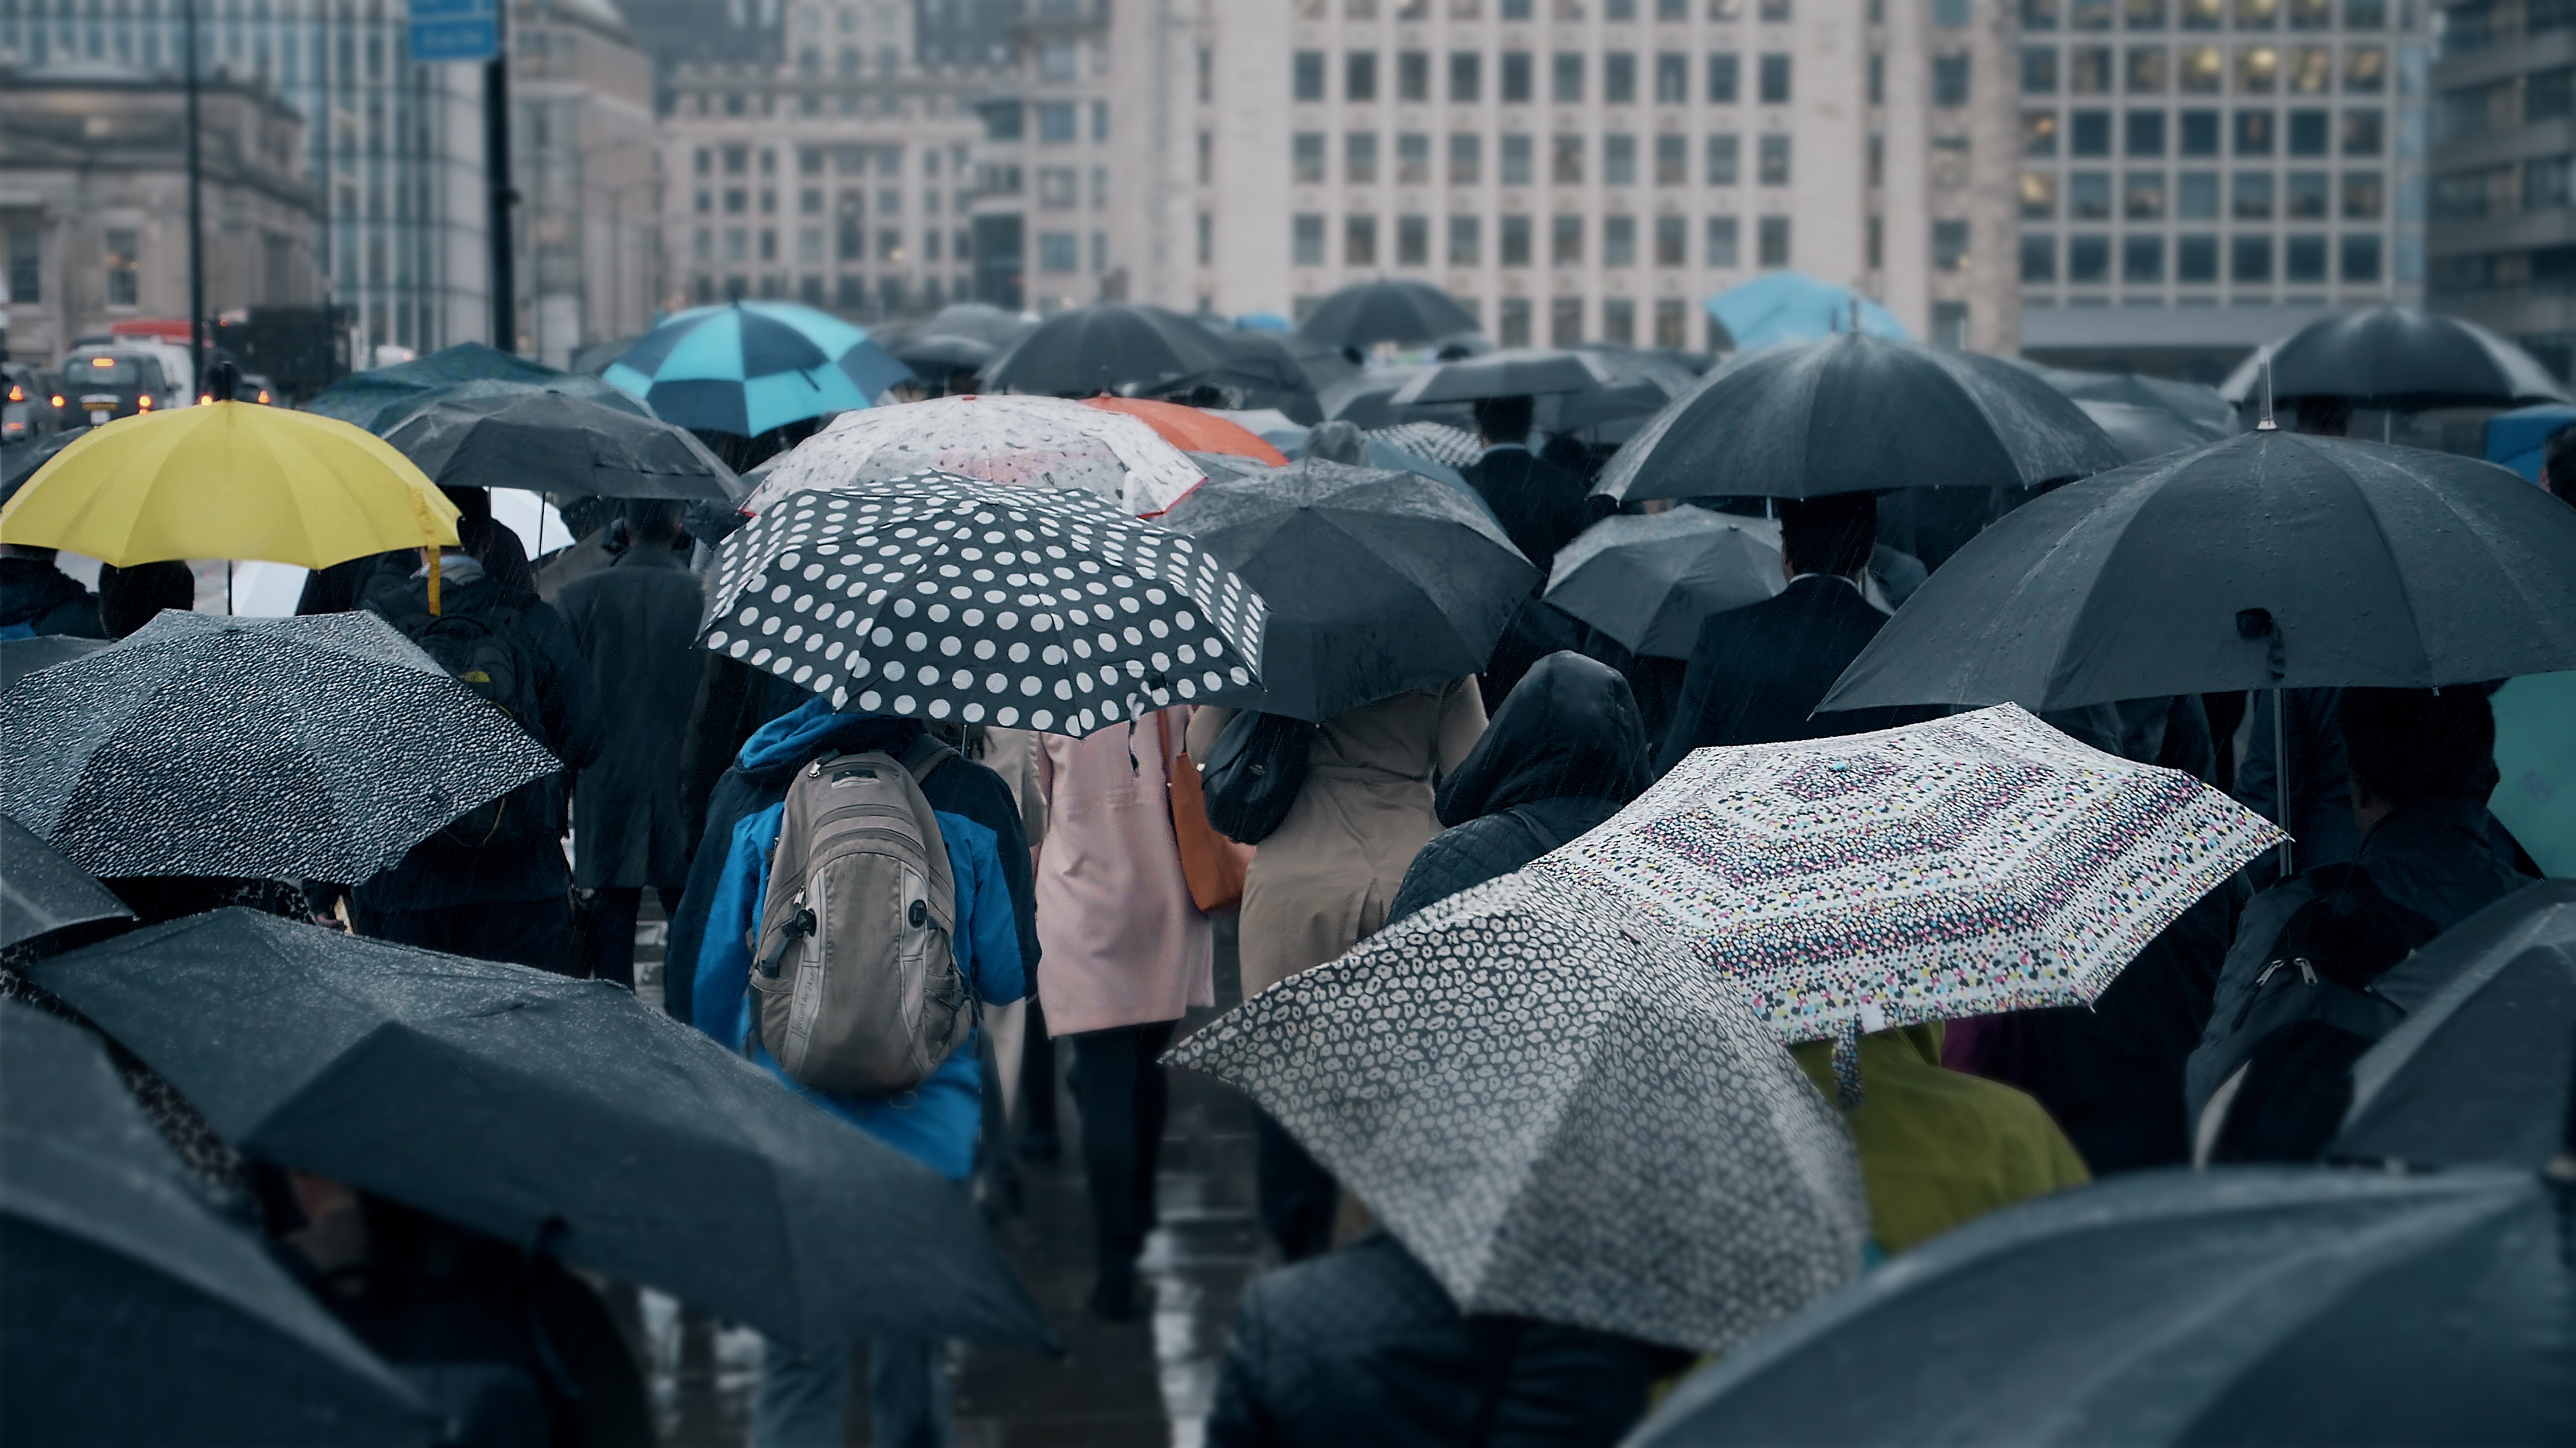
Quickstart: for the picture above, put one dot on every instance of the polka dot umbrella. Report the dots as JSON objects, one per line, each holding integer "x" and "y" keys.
{"x": 942, "y": 597}
{"x": 1034, "y": 442}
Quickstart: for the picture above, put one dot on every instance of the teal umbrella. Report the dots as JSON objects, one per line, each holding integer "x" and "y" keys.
{"x": 1787, "y": 306}
{"x": 360, "y": 396}
{"x": 747, "y": 367}
{"x": 2535, "y": 751}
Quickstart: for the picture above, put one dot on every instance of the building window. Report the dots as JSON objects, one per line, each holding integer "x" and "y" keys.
{"x": 1059, "y": 188}
{"x": 1772, "y": 241}
{"x": 1775, "y": 79}
{"x": 2088, "y": 196}
{"x": 1619, "y": 160}
{"x": 1413, "y": 75}
{"x": 2361, "y": 133}
{"x": 2146, "y": 134}
{"x": 1565, "y": 77}
{"x": 2308, "y": 133}
{"x": 1672, "y": 78}
{"x": 2038, "y": 195}
{"x": 2142, "y": 260}
{"x": 1516, "y": 77}
{"x": 1565, "y": 240}
{"x": 2196, "y": 259}
{"x": 1669, "y": 315}
{"x": 1517, "y": 162}
{"x": 1413, "y": 241}
{"x": 1619, "y": 78}
{"x": 1513, "y": 323}
{"x": 2199, "y": 133}
{"x": 2088, "y": 260}
{"x": 1059, "y": 251}
{"x": 2360, "y": 258}
{"x": 1516, "y": 241}
{"x": 1306, "y": 158}
{"x": 1306, "y": 240}
{"x": 1950, "y": 324}
{"x": 2249, "y": 259}
{"x": 1359, "y": 158}
{"x": 1725, "y": 157}
{"x": 2088, "y": 70}
{"x": 1466, "y": 158}
{"x": 1466, "y": 241}
{"x": 1619, "y": 321}
{"x": 1466, "y": 76}
{"x": 2304, "y": 196}
{"x": 2146, "y": 70}
{"x": 124, "y": 267}
{"x": 2038, "y": 259}
{"x": 2088, "y": 133}
{"x": 1619, "y": 240}
{"x": 1056, "y": 123}
{"x": 1949, "y": 80}
{"x": 1565, "y": 160}
{"x": 2252, "y": 199}
{"x": 1949, "y": 245}
{"x": 2196, "y": 196}
{"x": 2254, "y": 133}
{"x": 2303, "y": 259}
{"x": 1672, "y": 159}
{"x": 2039, "y": 133}
{"x": 1413, "y": 159}
{"x": 1359, "y": 240}
{"x": 1672, "y": 242}
{"x": 1359, "y": 76}
{"x": 1724, "y": 70}
{"x": 2039, "y": 70}
{"x": 2201, "y": 71}
{"x": 2258, "y": 69}
{"x": 1721, "y": 242}
{"x": 1772, "y": 166}
{"x": 1207, "y": 239}
{"x": 1308, "y": 69}
{"x": 2363, "y": 196}
{"x": 1564, "y": 321}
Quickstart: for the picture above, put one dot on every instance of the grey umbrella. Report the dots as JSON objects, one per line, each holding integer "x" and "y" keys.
{"x": 1561, "y": 1112}
{"x": 1512, "y": 372}
{"x": 939, "y": 355}
{"x": 1858, "y": 413}
{"x": 1376, "y": 582}
{"x": 1385, "y": 310}
{"x": 318, "y": 748}
{"x": 981, "y": 321}
{"x": 2480, "y": 1069}
{"x": 553, "y": 444}
{"x": 2200, "y": 406}
{"x": 2397, "y": 358}
{"x": 21, "y": 657}
{"x": 41, "y": 892}
{"x": 2141, "y": 433}
{"x": 1365, "y": 400}
{"x": 1648, "y": 580}
{"x": 561, "y": 1115}
{"x": 2235, "y": 1306}
{"x": 130, "y": 1312}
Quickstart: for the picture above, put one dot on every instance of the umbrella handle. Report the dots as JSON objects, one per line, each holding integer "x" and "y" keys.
{"x": 435, "y": 554}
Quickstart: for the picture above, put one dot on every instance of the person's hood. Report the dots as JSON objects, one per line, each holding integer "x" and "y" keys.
{"x": 1570, "y": 728}
{"x": 812, "y": 729}
{"x": 33, "y": 587}
{"x": 2437, "y": 858}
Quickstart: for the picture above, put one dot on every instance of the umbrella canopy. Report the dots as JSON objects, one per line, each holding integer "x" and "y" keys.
{"x": 41, "y": 892}
{"x": 960, "y": 599}
{"x": 1035, "y": 442}
{"x": 937, "y": 355}
{"x": 747, "y": 367}
{"x": 2242, "y": 1305}
{"x": 1266, "y": 370}
{"x": 361, "y": 397}
{"x": 1366, "y": 401}
{"x": 1961, "y": 867}
{"x": 2518, "y": 438}
{"x": 20, "y": 460}
{"x": 2141, "y": 433}
{"x": 2480, "y": 1070}
{"x": 318, "y": 748}
{"x": 2398, "y": 358}
{"x": 129, "y": 1311}
{"x": 555, "y": 444}
{"x": 2195, "y": 404}
{"x": 1193, "y": 429}
{"x": 1385, "y": 310}
{"x": 2270, "y": 560}
{"x": 2535, "y": 755}
{"x": 1512, "y": 372}
{"x": 1454, "y": 447}
{"x": 1853, "y": 414}
{"x": 228, "y": 480}
{"x": 560, "y": 1115}
{"x": 573, "y": 385}
{"x": 1648, "y": 580}
{"x": 1377, "y": 582}
{"x": 1560, "y": 1113}
{"x": 981, "y": 321}
{"x": 21, "y": 657}
{"x": 1638, "y": 385}
{"x": 1787, "y": 306}
{"x": 1108, "y": 347}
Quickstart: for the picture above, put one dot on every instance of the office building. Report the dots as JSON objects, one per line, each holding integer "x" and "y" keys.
{"x": 2503, "y": 229}
{"x": 585, "y": 157}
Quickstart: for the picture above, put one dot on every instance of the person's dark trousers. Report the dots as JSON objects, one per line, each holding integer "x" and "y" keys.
{"x": 1124, "y": 1094}
{"x": 1297, "y": 1196}
{"x": 613, "y": 911}
{"x": 1037, "y": 1084}
{"x": 516, "y": 932}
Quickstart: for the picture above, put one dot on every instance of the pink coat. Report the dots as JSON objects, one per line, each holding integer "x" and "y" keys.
{"x": 1120, "y": 942}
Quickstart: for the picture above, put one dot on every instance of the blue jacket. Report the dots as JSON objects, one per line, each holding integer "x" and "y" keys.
{"x": 936, "y": 1122}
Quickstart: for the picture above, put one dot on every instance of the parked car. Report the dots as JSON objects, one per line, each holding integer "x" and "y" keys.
{"x": 29, "y": 405}
{"x": 106, "y": 383}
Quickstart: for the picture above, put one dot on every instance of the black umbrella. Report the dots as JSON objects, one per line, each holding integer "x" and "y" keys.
{"x": 1648, "y": 581}
{"x": 557, "y": 1114}
{"x": 129, "y": 1311}
{"x": 21, "y": 657}
{"x": 1366, "y": 401}
{"x": 2479, "y": 1070}
{"x": 981, "y": 321}
{"x": 2399, "y": 359}
{"x": 2242, "y": 1305}
{"x": 942, "y": 597}
{"x": 1385, "y": 310}
{"x": 1512, "y": 372}
{"x": 553, "y": 444}
{"x": 571, "y": 387}
{"x": 1858, "y": 413}
{"x": 2199, "y": 406}
{"x": 937, "y": 355}
{"x": 2269, "y": 560}
{"x": 1637, "y": 384}
{"x": 41, "y": 892}
{"x": 1377, "y": 582}
{"x": 1109, "y": 347}
{"x": 318, "y": 748}
{"x": 2141, "y": 433}
{"x": 1261, "y": 370}
{"x": 20, "y": 460}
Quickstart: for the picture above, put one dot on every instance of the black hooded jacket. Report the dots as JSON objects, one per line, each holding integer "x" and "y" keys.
{"x": 41, "y": 599}
{"x": 1565, "y": 751}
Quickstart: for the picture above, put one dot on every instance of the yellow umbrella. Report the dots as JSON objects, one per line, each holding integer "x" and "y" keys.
{"x": 230, "y": 480}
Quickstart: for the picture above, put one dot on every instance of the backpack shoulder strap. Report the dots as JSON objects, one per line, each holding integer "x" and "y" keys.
{"x": 923, "y": 756}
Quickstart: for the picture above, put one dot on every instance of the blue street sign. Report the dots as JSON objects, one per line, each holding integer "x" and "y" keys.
{"x": 455, "y": 29}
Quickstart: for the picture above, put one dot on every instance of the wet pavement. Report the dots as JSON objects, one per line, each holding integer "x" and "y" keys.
{"x": 1141, "y": 1384}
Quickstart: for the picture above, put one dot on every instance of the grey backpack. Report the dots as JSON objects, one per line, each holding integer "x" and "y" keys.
{"x": 855, "y": 986}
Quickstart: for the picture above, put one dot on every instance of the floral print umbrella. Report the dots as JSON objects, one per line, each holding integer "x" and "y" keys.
{"x": 1037, "y": 442}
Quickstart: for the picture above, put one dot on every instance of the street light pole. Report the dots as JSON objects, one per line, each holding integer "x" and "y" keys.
{"x": 196, "y": 225}
{"x": 496, "y": 170}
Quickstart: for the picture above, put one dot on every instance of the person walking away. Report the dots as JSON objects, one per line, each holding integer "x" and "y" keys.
{"x": 636, "y": 624}
{"x": 1127, "y": 952}
{"x": 492, "y": 884}
{"x": 1757, "y": 673}
{"x": 1565, "y": 752}
{"x": 1325, "y": 879}
{"x": 1542, "y": 507}
{"x": 129, "y": 598}
{"x": 804, "y": 1395}
{"x": 38, "y": 599}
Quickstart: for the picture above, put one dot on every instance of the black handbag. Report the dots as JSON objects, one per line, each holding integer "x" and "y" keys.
{"x": 1253, "y": 774}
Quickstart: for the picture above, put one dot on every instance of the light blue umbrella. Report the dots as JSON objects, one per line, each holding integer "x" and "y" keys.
{"x": 747, "y": 367}
{"x": 1263, "y": 322}
{"x": 1787, "y": 306}
{"x": 2515, "y": 438}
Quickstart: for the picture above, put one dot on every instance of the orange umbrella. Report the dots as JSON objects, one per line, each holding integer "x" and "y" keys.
{"x": 1192, "y": 430}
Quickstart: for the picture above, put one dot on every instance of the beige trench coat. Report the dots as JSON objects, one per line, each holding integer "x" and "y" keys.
{"x": 1323, "y": 881}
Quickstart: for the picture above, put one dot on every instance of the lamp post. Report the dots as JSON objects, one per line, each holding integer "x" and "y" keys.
{"x": 196, "y": 224}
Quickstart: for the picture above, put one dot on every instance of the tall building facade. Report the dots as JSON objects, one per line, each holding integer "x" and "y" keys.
{"x": 2199, "y": 176}
{"x": 586, "y": 162}
{"x": 2503, "y": 230}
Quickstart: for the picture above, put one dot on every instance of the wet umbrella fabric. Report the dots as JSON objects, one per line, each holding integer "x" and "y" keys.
{"x": 1192, "y": 429}
{"x": 578, "y": 387}
{"x": 936, "y": 356}
{"x": 1961, "y": 867}
{"x": 21, "y": 657}
{"x": 1649, "y": 580}
{"x": 556, "y": 444}
{"x": 129, "y": 1311}
{"x": 1786, "y": 306}
{"x": 2397, "y": 358}
{"x": 2483, "y": 1067}
{"x": 560, "y": 1115}
{"x": 1451, "y": 446}
{"x": 2141, "y": 433}
{"x": 2240, "y": 1305}
{"x": 981, "y": 321}
{"x": 1385, "y": 310}
{"x": 2199, "y": 406}
{"x": 2371, "y": 565}
{"x": 362, "y": 397}
{"x": 1377, "y": 582}
{"x": 1108, "y": 347}
{"x": 42, "y": 892}
{"x": 1858, "y": 413}
{"x": 2535, "y": 753}
{"x": 1366, "y": 401}
{"x": 1513, "y": 372}
{"x": 747, "y": 367}
{"x": 1034, "y": 442}
{"x": 942, "y": 597}
{"x": 318, "y": 748}
{"x": 1560, "y": 1113}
